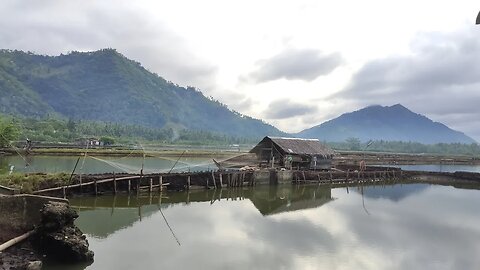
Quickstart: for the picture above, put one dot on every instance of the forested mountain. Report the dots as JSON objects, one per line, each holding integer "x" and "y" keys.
{"x": 389, "y": 123}
{"x": 106, "y": 86}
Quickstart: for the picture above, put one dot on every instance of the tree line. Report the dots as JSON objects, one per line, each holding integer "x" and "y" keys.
{"x": 60, "y": 130}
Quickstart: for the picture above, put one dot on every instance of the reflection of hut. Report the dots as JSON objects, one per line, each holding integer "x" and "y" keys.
{"x": 293, "y": 153}
{"x": 273, "y": 200}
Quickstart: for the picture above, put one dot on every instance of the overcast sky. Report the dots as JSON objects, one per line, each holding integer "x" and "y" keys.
{"x": 294, "y": 64}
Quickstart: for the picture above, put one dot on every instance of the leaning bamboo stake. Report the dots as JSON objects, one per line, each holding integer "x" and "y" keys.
{"x": 114, "y": 183}
{"x": 160, "y": 184}
{"x": 16, "y": 240}
{"x": 213, "y": 178}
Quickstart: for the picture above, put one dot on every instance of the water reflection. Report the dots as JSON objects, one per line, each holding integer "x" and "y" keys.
{"x": 438, "y": 167}
{"x": 122, "y": 211}
{"x": 284, "y": 227}
{"x": 391, "y": 192}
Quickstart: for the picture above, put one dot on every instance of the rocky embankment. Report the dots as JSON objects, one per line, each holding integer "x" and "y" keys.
{"x": 55, "y": 236}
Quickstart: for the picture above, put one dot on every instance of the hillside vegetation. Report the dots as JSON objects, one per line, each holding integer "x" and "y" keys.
{"x": 106, "y": 86}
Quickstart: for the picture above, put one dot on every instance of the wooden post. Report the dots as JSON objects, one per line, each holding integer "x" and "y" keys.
{"x": 139, "y": 180}
{"x": 64, "y": 193}
{"x": 206, "y": 182}
{"x": 80, "y": 179}
{"x": 229, "y": 180}
{"x": 114, "y": 184}
{"x": 346, "y": 180}
{"x": 96, "y": 188}
{"x": 188, "y": 182}
{"x": 129, "y": 186}
{"x": 151, "y": 185}
{"x": 160, "y": 183}
{"x": 303, "y": 174}
{"x": 214, "y": 182}
{"x": 221, "y": 180}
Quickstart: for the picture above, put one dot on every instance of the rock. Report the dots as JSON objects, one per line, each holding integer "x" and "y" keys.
{"x": 35, "y": 265}
{"x": 67, "y": 245}
{"x": 59, "y": 238}
{"x": 56, "y": 215}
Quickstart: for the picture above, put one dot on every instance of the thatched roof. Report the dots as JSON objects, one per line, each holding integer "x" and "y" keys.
{"x": 295, "y": 146}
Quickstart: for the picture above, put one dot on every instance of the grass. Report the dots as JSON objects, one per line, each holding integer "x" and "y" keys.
{"x": 27, "y": 183}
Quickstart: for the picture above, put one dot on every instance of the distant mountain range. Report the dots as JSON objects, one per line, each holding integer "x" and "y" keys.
{"x": 389, "y": 123}
{"x": 106, "y": 86}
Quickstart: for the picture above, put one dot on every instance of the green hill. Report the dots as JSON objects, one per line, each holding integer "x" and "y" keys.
{"x": 388, "y": 123}
{"x": 106, "y": 86}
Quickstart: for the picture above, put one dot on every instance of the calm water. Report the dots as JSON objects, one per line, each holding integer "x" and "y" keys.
{"x": 439, "y": 168}
{"x": 413, "y": 226}
{"x": 55, "y": 164}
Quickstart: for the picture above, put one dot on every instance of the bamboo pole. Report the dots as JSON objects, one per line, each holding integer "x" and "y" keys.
{"x": 16, "y": 240}
{"x": 221, "y": 180}
{"x": 160, "y": 183}
{"x": 188, "y": 182}
{"x": 114, "y": 183}
{"x": 96, "y": 187}
{"x": 214, "y": 182}
{"x": 84, "y": 184}
{"x": 150, "y": 189}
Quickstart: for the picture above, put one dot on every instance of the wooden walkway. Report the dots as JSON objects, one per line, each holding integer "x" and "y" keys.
{"x": 112, "y": 183}
{"x": 156, "y": 182}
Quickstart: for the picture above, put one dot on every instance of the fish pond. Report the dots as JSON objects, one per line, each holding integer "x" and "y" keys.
{"x": 402, "y": 226}
{"x": 92, "y": 164}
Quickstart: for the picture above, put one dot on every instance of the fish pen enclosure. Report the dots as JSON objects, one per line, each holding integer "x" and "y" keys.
{"x": 115, "y": 183}
{"x": 112, "y": 183}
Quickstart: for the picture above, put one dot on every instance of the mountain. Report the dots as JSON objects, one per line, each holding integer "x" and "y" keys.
{"x": 106, "y": 86}
{"x": 389, "y": 123}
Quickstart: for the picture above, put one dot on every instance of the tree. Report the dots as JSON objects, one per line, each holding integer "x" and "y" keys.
{"x": 107, "y": 140}
{"x": 71, "y": 125}
{"x": 353, "y": 143}
{"x": 8, "y": 132}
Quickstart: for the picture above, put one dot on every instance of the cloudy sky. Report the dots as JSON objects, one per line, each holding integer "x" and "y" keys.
{"x": 294, "y": 64}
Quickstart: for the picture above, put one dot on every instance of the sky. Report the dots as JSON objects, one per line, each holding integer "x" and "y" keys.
{"x": 294, "y": 64}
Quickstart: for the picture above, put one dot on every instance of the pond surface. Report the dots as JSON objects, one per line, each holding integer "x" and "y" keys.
{"x": 438, "y": 168}
{"x": 56, "y": 164}
{"x": 414, "y": 226}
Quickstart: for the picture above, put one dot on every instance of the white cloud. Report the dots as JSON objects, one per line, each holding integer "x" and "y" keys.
{"x": 210, "y": 44}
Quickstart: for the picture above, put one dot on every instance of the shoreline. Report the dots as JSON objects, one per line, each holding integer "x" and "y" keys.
{"x": 342, "y": 157}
